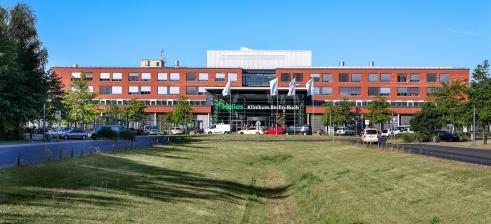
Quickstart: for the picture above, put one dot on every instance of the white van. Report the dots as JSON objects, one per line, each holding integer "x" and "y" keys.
{"x": 369, "y": 135}
{"x": 218, "y": 129}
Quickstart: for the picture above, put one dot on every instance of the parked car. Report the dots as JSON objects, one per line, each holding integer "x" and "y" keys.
{"x": 218, "y": 129}
{"x": 370, "y": 135}
{"x": 251, "y": 132}
{"x": 447, "y": 136}
{"x": 153, "y": 131}
{"x": 385, "y": 133}
{"x": 176, "y": 131}
{"x": 115, "y": 128}
{"x": 299, "y": 130}
{"x": 75, "y": 133}
{"x": 57, "y": 132}
{"x": 275, "y": 131}
{"x": 345, "y": 131}
{"x": 403, "y": 129}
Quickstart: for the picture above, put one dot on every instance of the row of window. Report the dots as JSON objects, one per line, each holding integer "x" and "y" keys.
{"x": 324, "y": 91}
{"x": 384, "y": 77}
{"x": 365, "y": 103}
{"x": 145, "y": 77}
{"x": 149, "y": 102}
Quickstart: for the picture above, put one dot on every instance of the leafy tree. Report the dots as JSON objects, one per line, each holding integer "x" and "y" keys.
{"x": 452, "y": 101}
{"x": 379, "y": 112}
{"x": 135, "y": 111}
{"x": 481, "y": 96}
{"x": 428, "y": 120}
{"x": 183, "y": 113}
{"x": 116, "y": 112}
{"x": 339, "y": 114}
{"x": 79, "y": 103}
{"x": 55, "y": 97}
{"x": 24, "y": 85}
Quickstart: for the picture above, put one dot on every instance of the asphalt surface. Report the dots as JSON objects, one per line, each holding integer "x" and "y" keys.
{"x": 21, "y": 154}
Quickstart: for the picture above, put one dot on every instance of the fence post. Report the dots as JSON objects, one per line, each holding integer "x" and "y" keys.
{"x": 61, "y": 154}
{"x": 17, "y": 162}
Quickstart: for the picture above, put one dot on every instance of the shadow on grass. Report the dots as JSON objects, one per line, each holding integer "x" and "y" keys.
{"x": 113, "y": 182}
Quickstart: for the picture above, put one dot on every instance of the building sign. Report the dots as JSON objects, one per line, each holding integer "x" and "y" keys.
{"x": 226, "y": 106}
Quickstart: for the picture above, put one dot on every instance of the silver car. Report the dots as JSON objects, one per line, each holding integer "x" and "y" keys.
{"x": 75, "y": 133}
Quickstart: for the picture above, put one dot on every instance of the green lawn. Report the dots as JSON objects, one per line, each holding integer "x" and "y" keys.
{"x": 218, "y": 179}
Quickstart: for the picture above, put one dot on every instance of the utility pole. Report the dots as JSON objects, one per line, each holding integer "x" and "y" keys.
{"x": 474, "y": 126}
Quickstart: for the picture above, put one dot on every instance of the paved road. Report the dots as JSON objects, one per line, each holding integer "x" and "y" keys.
{"x": 31, "y": 153}
{"x": 469, "y": 155}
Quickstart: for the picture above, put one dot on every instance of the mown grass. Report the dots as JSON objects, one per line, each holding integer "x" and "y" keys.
{"x": 220, "y": 179}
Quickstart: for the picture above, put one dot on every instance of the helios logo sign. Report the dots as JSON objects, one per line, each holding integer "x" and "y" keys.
{"x": 226, "y": 106}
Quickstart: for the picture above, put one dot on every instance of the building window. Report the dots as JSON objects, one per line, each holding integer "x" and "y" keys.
{"x": 373, "y": 77}
{"x": 190, "y": 76}
{"x": 162, "y": 77}
{"x": 349, "y": 91}
{"x": 201, "y": 90}
{"x": 163, "y": 90}
{"x": 133, "y": 90}
{"x": 343, "y": 77}
{"x": 105, "y": 90}
{"x": 203, "y": 76}
{"x": 145, "y": 90}
{"x": 298, "y": 77}
{"x": 75, "y": 75}
{"x": 174, "y": 76}
{"x": 401, "y": 77}
{"x": 327, "y": 77}
{"x": 384, "y": 91}
{"x": 192, "y": 90}
{"x": 89, "y": 76}
{"x": 316, "y": 77}
{"x": 104, "y": 77}
{"x": 326, "y": 91}
{"x": 117, "y": 90}
{"x": 431, "y": 77}
{"x": 174, "y": 90}
{"x": 412, "y": 91}
{"x": 286, "y": 77}
{"x": 384, "y": 77}
{"x": 232, "y": 77}
{"x": 373, "y": 91}
{"x": 146, "y": 77}
{"x": 355, "y": 77}
{"x": 430, "y": 90}
{"x": 117, "y": 77}
{"x": 132, "y": 77}
{"x": 444, "y": 78}
{"x": 414, "y": 78}
{"x": 220, "y": 77}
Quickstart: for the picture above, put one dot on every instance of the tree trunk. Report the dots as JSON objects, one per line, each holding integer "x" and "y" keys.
{"x": 484, "y": 139}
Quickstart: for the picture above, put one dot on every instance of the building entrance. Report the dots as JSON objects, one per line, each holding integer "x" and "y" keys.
{"x": 246, "y": 109}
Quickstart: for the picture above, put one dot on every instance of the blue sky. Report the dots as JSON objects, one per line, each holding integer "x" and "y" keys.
{"x": 391, "y": 33}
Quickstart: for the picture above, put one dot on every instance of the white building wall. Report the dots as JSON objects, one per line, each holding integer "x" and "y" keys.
{"x": 258, "y": 59}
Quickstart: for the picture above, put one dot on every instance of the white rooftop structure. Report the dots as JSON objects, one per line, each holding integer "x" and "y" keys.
{"x": 258, "y": 59}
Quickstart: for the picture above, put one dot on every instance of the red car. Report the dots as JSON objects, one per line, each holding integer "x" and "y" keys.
{"x": 275, "y": 131}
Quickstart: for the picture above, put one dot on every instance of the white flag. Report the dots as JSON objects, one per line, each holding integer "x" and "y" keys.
{"x": 292, "y": 88}
{"x": 226, "y": 90}
{"x": 310, "y": 87}
{"x": 273, "y": 87}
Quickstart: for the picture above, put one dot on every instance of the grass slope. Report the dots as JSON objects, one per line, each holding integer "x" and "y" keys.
{"x": 217, "y": 179}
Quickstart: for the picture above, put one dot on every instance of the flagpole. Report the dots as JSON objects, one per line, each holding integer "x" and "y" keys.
{"x": 230, "y": 118}
{"x": 294, "y": 114}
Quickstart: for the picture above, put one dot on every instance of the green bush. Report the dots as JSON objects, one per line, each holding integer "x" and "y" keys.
{"x": 413, "y": 137}
{"x": 140, "y": 132}
{"x": 127, "y": 135}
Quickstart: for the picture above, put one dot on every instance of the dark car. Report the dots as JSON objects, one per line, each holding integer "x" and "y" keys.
{"x": 447, "y": 136}
{"x": 299, "y": 130}
{"x": 115, "y": 128}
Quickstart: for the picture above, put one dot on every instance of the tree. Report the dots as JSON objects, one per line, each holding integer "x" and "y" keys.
{"x": 428, "y": 120}
{"x": 55, "y": 97}
{"x": 183, "y": 113}
{"x": 24, "y": 85}
{"x": 481, "y": 96}
{"x": 379, "y": 112}
{"x": 452, "y": 101}
{"x": 79, "y": 103}
{"x": 116, "y": 112}
{"x": 135, "y": 111}
{"x": 338, "y": 114}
